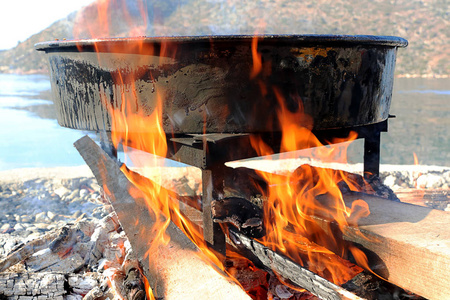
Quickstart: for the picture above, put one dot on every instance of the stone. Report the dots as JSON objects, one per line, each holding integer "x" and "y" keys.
{"x": 83, "y": 193}
{"x": 77, "y": 214}
{"x": 390, "y": 180}
{"x": 41, "y": 225}
{"x": 41, "y": 217}
{"x": 18, "y": 227}
{"x": 74, "y": 194}
{"x": 51, "y": 215}
{"x": 5, "y": 227}
{"x": 62, "y": 191}
{"x": 434, "y": 181}
{"x": 26, "y": 219}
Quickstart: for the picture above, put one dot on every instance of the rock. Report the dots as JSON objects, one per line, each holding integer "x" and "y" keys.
{"x": 51, "y": 215}
{"x": 41, "y": 217}
{"x": 447, "y": 208}
{"x": 5, "y": 228}
{"x": 76, "y": 199}
{"x": 430, "y": 181}
{"x": 41, "y": 225}
{"x": 74, "y": 194}
{"x": 26, "y": 219}
{"x": 62, "y": 191}
{"x": 77, "y": 214}
{"x": 18, "y": 227}
{"x": 83, "y": 193}
{"x": 390, "y": 181}
{"x": 32, "y": 228}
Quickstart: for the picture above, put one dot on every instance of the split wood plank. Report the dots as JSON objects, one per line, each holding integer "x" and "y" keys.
{"x": 434, "y": 198}
{"x": 174, "y": 270}
{"x": 289, "y": 270}
{"x": 408, "y": 245}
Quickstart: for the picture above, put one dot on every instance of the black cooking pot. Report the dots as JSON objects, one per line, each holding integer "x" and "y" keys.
{"x": 224, "y": 83}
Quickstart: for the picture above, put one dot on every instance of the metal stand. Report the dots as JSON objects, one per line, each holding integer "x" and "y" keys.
{"x": 210, "y": 152}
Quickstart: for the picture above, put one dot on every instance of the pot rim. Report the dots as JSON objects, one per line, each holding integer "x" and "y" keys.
{"x": 269, "y": 39}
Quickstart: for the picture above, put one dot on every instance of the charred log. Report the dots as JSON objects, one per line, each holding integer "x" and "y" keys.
{"x": 243, "y": 214}
{"x": 293, "y": 273}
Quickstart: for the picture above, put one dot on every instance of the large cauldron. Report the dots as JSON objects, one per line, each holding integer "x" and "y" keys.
{"x": 209, "y": 83}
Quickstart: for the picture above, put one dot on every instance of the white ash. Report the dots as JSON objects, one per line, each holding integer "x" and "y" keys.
{"x": 65, "y": 274}
{"x": 39, "y": 206}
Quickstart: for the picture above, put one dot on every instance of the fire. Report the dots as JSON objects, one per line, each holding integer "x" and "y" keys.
{"x": 130, "y": 130}
{"x": 293, "y": 200}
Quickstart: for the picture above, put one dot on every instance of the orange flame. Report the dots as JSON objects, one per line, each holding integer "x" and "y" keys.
{"x": 133, "y": 129}
{"x": 293, "y": 200}
{"x": 257, "y": 63}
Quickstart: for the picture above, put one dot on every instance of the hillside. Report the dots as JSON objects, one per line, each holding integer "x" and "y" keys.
{"x": 424, "y": 23}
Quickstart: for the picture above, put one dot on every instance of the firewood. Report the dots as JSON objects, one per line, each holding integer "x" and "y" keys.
{"x": 271, "y": 261}
{"x": 163, "y": 273}
{"x": 47, "y": 261}
{"x": 133, "y": 280}
{"x": 97, "y": 292}
{"x": 67, "y": 237}
{"x": 33, "y": 285}
{"x": 100, "y": 237}
{"x": 243, "y": 214}
{"x": 82, "y": 284}
{"x": 25, "y": 250}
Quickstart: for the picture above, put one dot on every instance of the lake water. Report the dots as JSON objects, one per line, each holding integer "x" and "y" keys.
{"x": 31, "y": 137}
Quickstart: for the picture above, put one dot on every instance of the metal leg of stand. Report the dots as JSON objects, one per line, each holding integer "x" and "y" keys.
{"x": 212, "y": 232}
{"x": 372, "y": 155}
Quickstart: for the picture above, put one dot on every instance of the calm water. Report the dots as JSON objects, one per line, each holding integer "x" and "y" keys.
{"x": 31, "y": 137}
{"x": 26, "y": 139}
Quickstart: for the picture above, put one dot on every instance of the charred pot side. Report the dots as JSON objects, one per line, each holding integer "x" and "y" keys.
{"x": 209, "y": 84}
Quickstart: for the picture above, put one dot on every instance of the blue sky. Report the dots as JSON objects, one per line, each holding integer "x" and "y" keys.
{"x": 19, "y": 19}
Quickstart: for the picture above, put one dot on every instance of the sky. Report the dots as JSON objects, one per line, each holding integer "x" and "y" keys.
{"x": 19, "y": 19}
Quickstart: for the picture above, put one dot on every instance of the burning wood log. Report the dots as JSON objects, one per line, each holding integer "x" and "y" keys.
{"x": 165, "y": 267}
{"x": 23, "y": 251}
{"x": 395, "y": 235}
{"x": 243, "y": 214}
{"x": 288, "y": 269}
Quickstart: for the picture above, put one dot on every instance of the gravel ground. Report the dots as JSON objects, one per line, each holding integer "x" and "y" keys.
{"x": 34, "y": 201}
